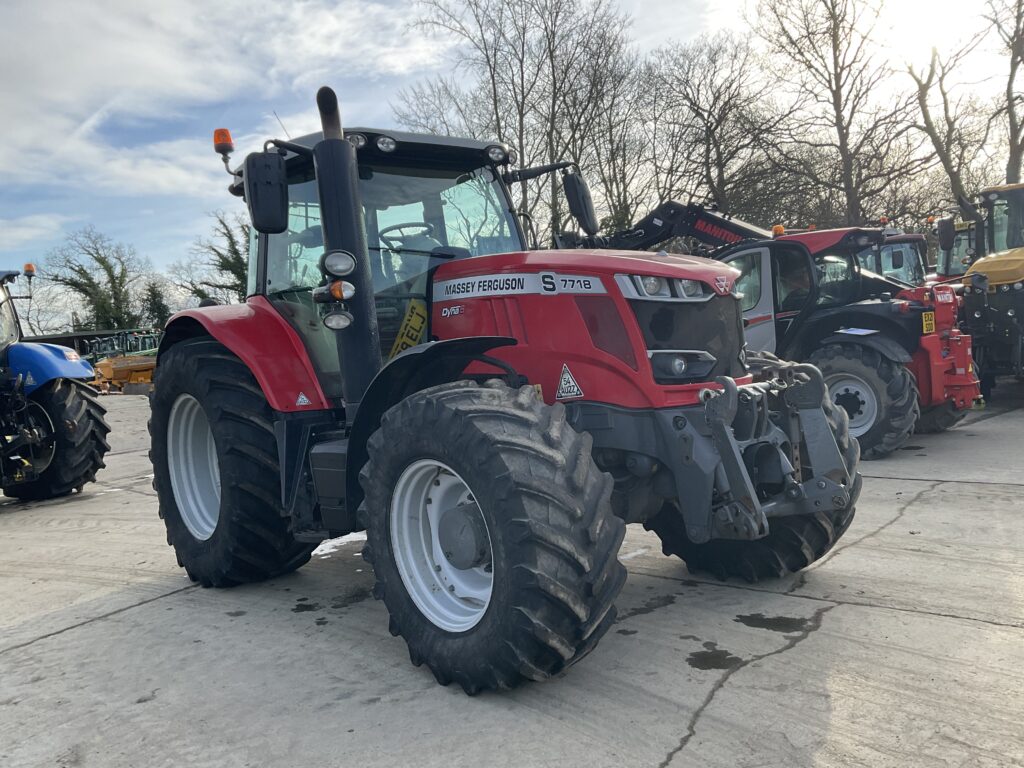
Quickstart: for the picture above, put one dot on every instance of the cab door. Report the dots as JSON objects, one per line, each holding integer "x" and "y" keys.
{"x": 758, "y": 303}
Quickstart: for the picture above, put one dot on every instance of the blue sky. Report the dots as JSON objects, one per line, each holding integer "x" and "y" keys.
{"x": 108, "y": 106}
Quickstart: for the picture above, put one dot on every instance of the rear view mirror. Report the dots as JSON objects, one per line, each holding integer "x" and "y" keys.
{"x": 947, "y": 233}
{"x": 581, "y": 205}
{"x": 266, "y": 192}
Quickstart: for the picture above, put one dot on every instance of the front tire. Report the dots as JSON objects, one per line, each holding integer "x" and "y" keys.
{"x": 533, "y": 591}
{"x": 79, "y": 440}
{"x": 879, "y": 395}
{"x": 792, "y": 543}
{"x": 215, "y": 469}
{"x": 939, "y": 418}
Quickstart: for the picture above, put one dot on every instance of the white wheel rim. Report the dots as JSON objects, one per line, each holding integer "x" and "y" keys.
{"x": 451, "y": 598}
{"x": 857, "y": 398}
{"x": 192, "y": 464}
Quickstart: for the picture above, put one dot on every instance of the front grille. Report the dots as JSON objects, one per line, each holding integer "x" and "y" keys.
{"x": 714, "y": 326}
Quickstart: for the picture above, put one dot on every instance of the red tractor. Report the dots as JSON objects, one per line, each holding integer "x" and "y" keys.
{"x": 891, "y": 352}
{"x": 527, "y": 410}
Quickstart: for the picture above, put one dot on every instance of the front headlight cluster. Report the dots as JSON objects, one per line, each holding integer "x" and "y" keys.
{"x": 654, "y": 287}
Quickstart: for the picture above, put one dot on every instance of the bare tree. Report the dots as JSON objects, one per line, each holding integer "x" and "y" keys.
{"x": 825, "y": 51}
{"x": 1007, "y": 19}
{"x": 218, "y": 267}
{"x": 953, "y": 121}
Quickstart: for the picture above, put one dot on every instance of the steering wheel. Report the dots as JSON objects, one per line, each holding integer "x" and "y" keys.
{"x": 426, "y": 229}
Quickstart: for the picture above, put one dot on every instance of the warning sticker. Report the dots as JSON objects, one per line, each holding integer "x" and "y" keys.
{"x": 567, "y": 386}
{"x": 545, "y": 283}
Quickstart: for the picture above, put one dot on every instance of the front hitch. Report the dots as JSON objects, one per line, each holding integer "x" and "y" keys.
{"x": 824, "y": 482}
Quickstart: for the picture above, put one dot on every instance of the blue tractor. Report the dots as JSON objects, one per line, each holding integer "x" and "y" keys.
{"x": 53, "y": 434}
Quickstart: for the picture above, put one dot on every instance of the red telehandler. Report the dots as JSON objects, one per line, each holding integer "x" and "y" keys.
{"x": 527, "y": 412}
{"x": 892, "y": 354}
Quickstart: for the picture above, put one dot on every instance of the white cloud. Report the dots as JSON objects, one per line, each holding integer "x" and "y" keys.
{"x": 16, "y": 232}
{"x": 73, "y": 69}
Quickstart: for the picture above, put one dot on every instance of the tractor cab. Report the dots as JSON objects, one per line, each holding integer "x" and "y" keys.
{"x": 900, "y": 257}
{"x": 426, "y": 200}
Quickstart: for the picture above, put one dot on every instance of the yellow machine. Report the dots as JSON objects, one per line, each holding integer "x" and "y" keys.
{"x": 994, "y": 284}
{"x": 130, "y": 369}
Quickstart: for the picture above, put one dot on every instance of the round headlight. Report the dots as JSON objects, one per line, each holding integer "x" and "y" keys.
{"x": 513, "y": 157}
{"x": 677, "y": 365}
{"x": 357, "y": 139}
{"x": 497, "y": 154}
{"x": 338, "y": 263}
{"x": 1005, "y": 288}
{"x": 977, "y": 313}
{"x": 386, "y": 144}
{"x": 338, "y": 321}
{"x": 690, "y": 288}
{"x": 1018, "y": 286}
{"x": 654, "y": 286}
{"x": 1011, "y": 312}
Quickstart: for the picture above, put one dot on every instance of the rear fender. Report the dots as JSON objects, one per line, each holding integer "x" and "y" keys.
{"x": 882, "y": 344}
{"x": 42, "y": 363}
{"x": 423, "y": 366}
{"x": 261, "y": 338}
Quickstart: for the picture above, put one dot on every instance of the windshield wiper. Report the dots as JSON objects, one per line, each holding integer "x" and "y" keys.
{"x": 440, "y": 254}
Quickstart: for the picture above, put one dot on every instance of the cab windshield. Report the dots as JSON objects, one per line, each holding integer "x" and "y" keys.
{"x": 1006, "y": 227}
{"x": 416, "y": 218}
{"x": 954, "y": 262}
{"x": 897, "y": 261}
{"x": 8, "y": 321}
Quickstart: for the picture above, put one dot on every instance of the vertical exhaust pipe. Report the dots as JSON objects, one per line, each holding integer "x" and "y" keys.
{"x": 344, "y": 229}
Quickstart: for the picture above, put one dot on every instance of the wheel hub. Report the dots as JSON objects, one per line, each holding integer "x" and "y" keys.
{"x": 857, "y": 398}
{"x": 441, "y": 545}
{"x": 193, "y": 466}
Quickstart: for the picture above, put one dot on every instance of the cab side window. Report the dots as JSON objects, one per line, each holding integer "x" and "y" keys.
{"x": 794, "y": 281}
{"x": 749, "y": 282}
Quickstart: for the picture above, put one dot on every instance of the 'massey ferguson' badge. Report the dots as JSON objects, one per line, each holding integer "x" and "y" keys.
{"x": 516, "y": 284}
{"x": 722, "y": 285}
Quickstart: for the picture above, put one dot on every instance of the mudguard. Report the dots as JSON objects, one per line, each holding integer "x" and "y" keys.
{"x": 261, "y": 338}
{"x": 876, "y": 341}
{"x": 42, "y": 363}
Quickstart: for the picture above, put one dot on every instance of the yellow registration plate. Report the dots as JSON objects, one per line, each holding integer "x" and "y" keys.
{"x": 413, "y": 327}
{"x": 928, "y": 322}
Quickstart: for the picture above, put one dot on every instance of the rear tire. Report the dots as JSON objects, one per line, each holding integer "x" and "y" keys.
{"x": 879, "y": 395}
{"x": 939, "y": 418}
{"x": 80, "y": 437}
{"x": 213, "y": 444}
{"x": 792, "y": 543}
{"x": 551, "y": 535}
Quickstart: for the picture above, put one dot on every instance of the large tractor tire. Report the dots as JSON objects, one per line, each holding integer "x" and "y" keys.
{"x": 939, "y": 418}
{"x": 879, "y": 395}
{"x": 215, "y": 469}
{"x": 76, "y": 444}
{"x": 792, "y": 543}
{"x": 491, "y": 534}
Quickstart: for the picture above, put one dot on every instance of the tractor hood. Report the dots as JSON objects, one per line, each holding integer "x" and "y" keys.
{"x": 596, "y": 262}
{"x": 1000, "y": 268}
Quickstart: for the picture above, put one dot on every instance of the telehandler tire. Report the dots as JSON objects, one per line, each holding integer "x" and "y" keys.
{"x": 939, "y": 418}
{"x": 879, "y": 395}
{"x": 79, "y": 440}
{"x": 215, "y": 468}
{"x": 491, "y": 534}
{"x": 792, "y": 543}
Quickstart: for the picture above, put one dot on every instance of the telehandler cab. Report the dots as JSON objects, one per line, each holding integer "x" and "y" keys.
{"x": 532, "y": 403}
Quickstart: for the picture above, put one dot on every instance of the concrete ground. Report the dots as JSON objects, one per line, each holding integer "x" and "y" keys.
{"x": 903, "y": 647}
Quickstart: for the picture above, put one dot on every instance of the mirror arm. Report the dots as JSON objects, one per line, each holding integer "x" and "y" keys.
{"x": 290, "y": 146}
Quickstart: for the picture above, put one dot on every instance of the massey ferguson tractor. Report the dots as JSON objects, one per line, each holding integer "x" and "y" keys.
{"x": 891, "y": 353}
{"x": 53, "y": 431}
{"x": 491, "y": 416}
